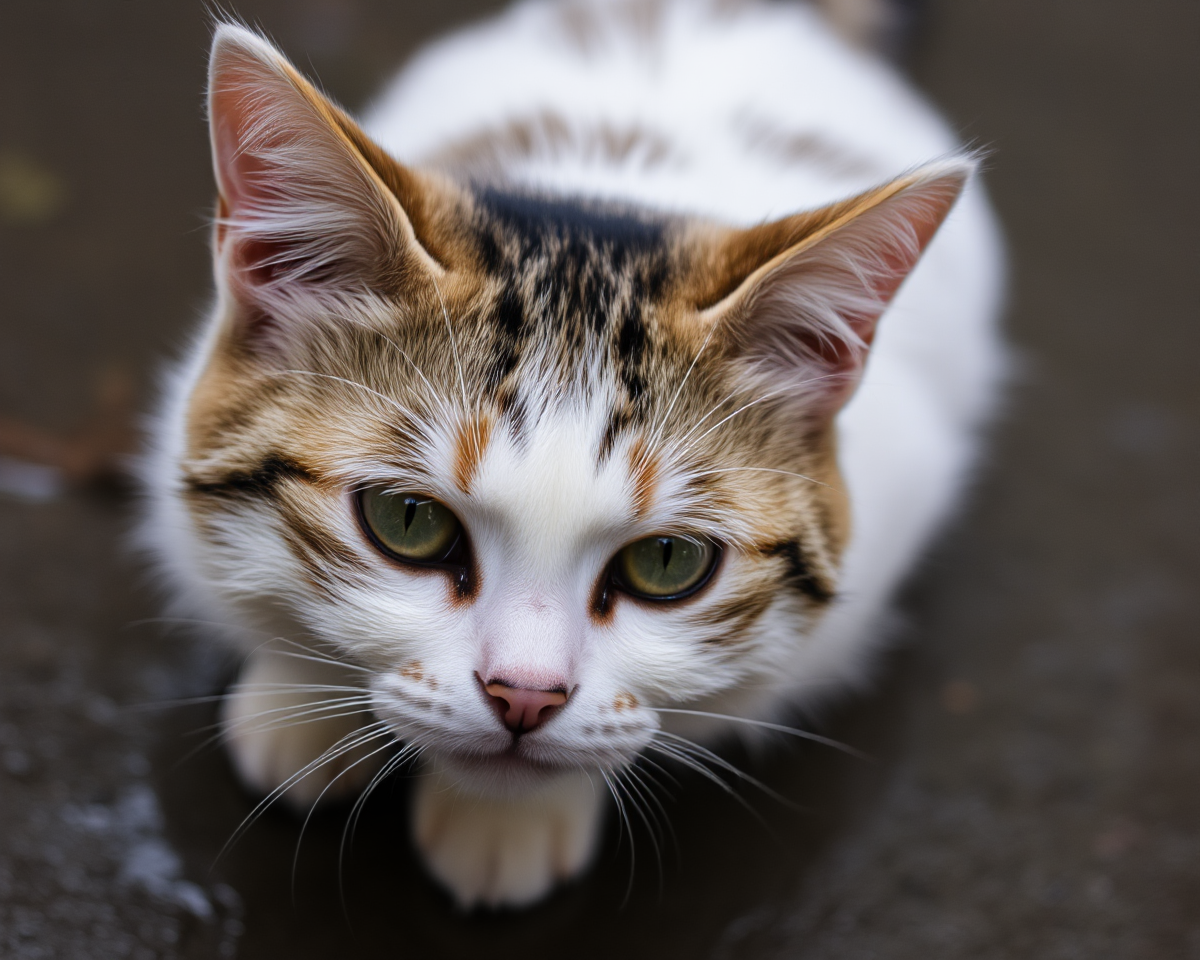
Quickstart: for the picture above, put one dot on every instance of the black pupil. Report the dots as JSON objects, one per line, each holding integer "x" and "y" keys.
{"x": 410, "y": 511}
{"x": 668, "y": 546}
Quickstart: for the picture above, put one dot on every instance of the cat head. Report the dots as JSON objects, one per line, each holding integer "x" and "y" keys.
{"x": 537, "y": 464}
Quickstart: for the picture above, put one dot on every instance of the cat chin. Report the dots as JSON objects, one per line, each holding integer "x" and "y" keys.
{"x": 502, "y": 774}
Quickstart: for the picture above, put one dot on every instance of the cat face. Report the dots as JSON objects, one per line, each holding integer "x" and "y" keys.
{"x": 536, "y": 466}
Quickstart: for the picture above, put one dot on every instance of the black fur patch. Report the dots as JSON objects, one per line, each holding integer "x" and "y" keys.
{"x": 538, "y": 219}
{"x": 509, "y": 318}
{"x": 617, "y": 421}
{"x": 631, "y": 346}
{"x": 800, "y": 574}
{"x": 576, "y": 275}
{"x": 261, "y": 482}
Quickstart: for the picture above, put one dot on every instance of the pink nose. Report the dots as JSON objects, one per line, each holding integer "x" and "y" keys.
{"x": 523, "y": 710}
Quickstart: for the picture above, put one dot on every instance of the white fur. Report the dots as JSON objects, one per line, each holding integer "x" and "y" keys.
{"x": 909, "y": 434}
{"x": 720, "y": 86}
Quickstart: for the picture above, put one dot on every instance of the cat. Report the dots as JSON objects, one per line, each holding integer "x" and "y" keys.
{"x": 555, "y": 441}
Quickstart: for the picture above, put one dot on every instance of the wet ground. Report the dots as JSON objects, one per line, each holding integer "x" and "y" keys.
{"x": 1037, "y": 787}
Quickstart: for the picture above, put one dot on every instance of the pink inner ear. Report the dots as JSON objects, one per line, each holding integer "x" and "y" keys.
{"x": 241, "y": 121}
{"x": 816, "y": 312}
{"x": 240, "y": 174}
{"x": 925, "y": 220}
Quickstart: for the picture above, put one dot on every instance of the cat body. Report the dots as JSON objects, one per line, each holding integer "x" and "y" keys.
{"x": 582, "y": 321}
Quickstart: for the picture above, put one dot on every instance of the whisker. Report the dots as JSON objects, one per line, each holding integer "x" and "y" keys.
{"x": 621, "y": 818}
{"x": 317, "y": 802}
{"x": 312, "y": 712}
{"x": 692, "y": 763}
{"x": 637, "y": 802}
{"x": 640, "y": 765}
{"x": 182, "y": 621}
{"x": 786, "y": 473}
{"x": 453, "y": 345}
{"x": 675, "y": 753}
{"x": 648, "y": 781}
{"x": 277, "y": 724}
{"x": 308, "y": 653}
{"x": 409, "y": 415}
{"x": 395, "y": 346}
{"x": 703, "y": 753}
{"x": 634, "y": 785}
{"x": 625, "y": 827}
{"x": 739, "y": 410}
{"x": 744, "y": 407}
{"x": 300, "y": 707}
{"x": 661, "y": 425}
{"x": 407, "y": 752}
{"x": 350, "y": 741}
{"x": 776, "y": 727}
{"x": 717, "y": 406}
{"x": 661, "y": 769}
{"x": 254, "y": 687}
{"x": 328, "y": 661}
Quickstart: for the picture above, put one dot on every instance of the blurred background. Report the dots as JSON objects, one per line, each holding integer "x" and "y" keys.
{"x": 1036, "y": 788}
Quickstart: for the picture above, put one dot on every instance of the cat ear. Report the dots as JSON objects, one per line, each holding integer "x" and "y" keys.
{"x": 307, "y": 203}
{"x": 797, "y": 300}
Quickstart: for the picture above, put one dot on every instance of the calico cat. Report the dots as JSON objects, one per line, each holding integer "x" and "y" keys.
{"x": 533, "y": 427}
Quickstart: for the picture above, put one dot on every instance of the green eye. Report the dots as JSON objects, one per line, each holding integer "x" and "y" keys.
{"x": 409, "y": 525}
{"x": 665, "y": 568}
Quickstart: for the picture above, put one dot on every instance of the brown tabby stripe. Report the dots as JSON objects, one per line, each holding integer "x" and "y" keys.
{"x": 259, "y": 482}
{"x": 801, "y": 574}
{"x": 328, "y": 562}
{"x": 737, "y": 614}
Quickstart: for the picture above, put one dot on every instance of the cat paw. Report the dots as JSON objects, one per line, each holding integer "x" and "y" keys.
{"x": 277, "y": 737}
{"x": 506, "y": 851}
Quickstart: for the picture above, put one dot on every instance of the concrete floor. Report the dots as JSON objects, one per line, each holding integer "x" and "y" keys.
{"x": 1037, "y": 789}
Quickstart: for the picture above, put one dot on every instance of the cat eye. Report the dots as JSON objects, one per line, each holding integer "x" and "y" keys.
{"x": 665, "y": 568}
{"x": 410, "y": 526}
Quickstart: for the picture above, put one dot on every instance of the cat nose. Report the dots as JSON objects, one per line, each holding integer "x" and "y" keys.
{"x": 522, "y": 709}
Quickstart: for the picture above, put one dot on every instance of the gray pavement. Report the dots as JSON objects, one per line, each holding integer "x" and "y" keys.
{"x": 1037, "y": 787}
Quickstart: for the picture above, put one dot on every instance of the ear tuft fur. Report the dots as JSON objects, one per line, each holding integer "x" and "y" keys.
{"x": 805, "y": 316}
{"x": 302, "y": 211}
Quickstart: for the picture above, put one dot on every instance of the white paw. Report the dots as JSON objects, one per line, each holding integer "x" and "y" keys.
{"x": 277, "y": 733}
{"x": 506, "y": 851}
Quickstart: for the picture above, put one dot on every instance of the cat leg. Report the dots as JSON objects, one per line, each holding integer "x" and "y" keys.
{"x": 281, "y": 716}
{"x": 506, "y": 849}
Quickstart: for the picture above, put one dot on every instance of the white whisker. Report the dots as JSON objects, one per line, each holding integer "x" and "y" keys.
{"x": 680, "y": 756}
{"x": 349, "y": 742}
{"x": 250, "y": 687}
{"x": 408, "y": 752}
{"x": 329, "y": 710}
{"x": 704, "y": 754}
{"x": 453, "y": 345}
{"x": 304, "y": 826}
{"x": 408, "y": 415}
{"x": 786, "y": 473}
{"x": 744, "y": 407}
{"x": 661, "y": 425}
{"x": 765, "y": 725}
{"x": 637, "y": 785}
{"x": 437, "y": 395}
{"x": 323, "y": 713}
